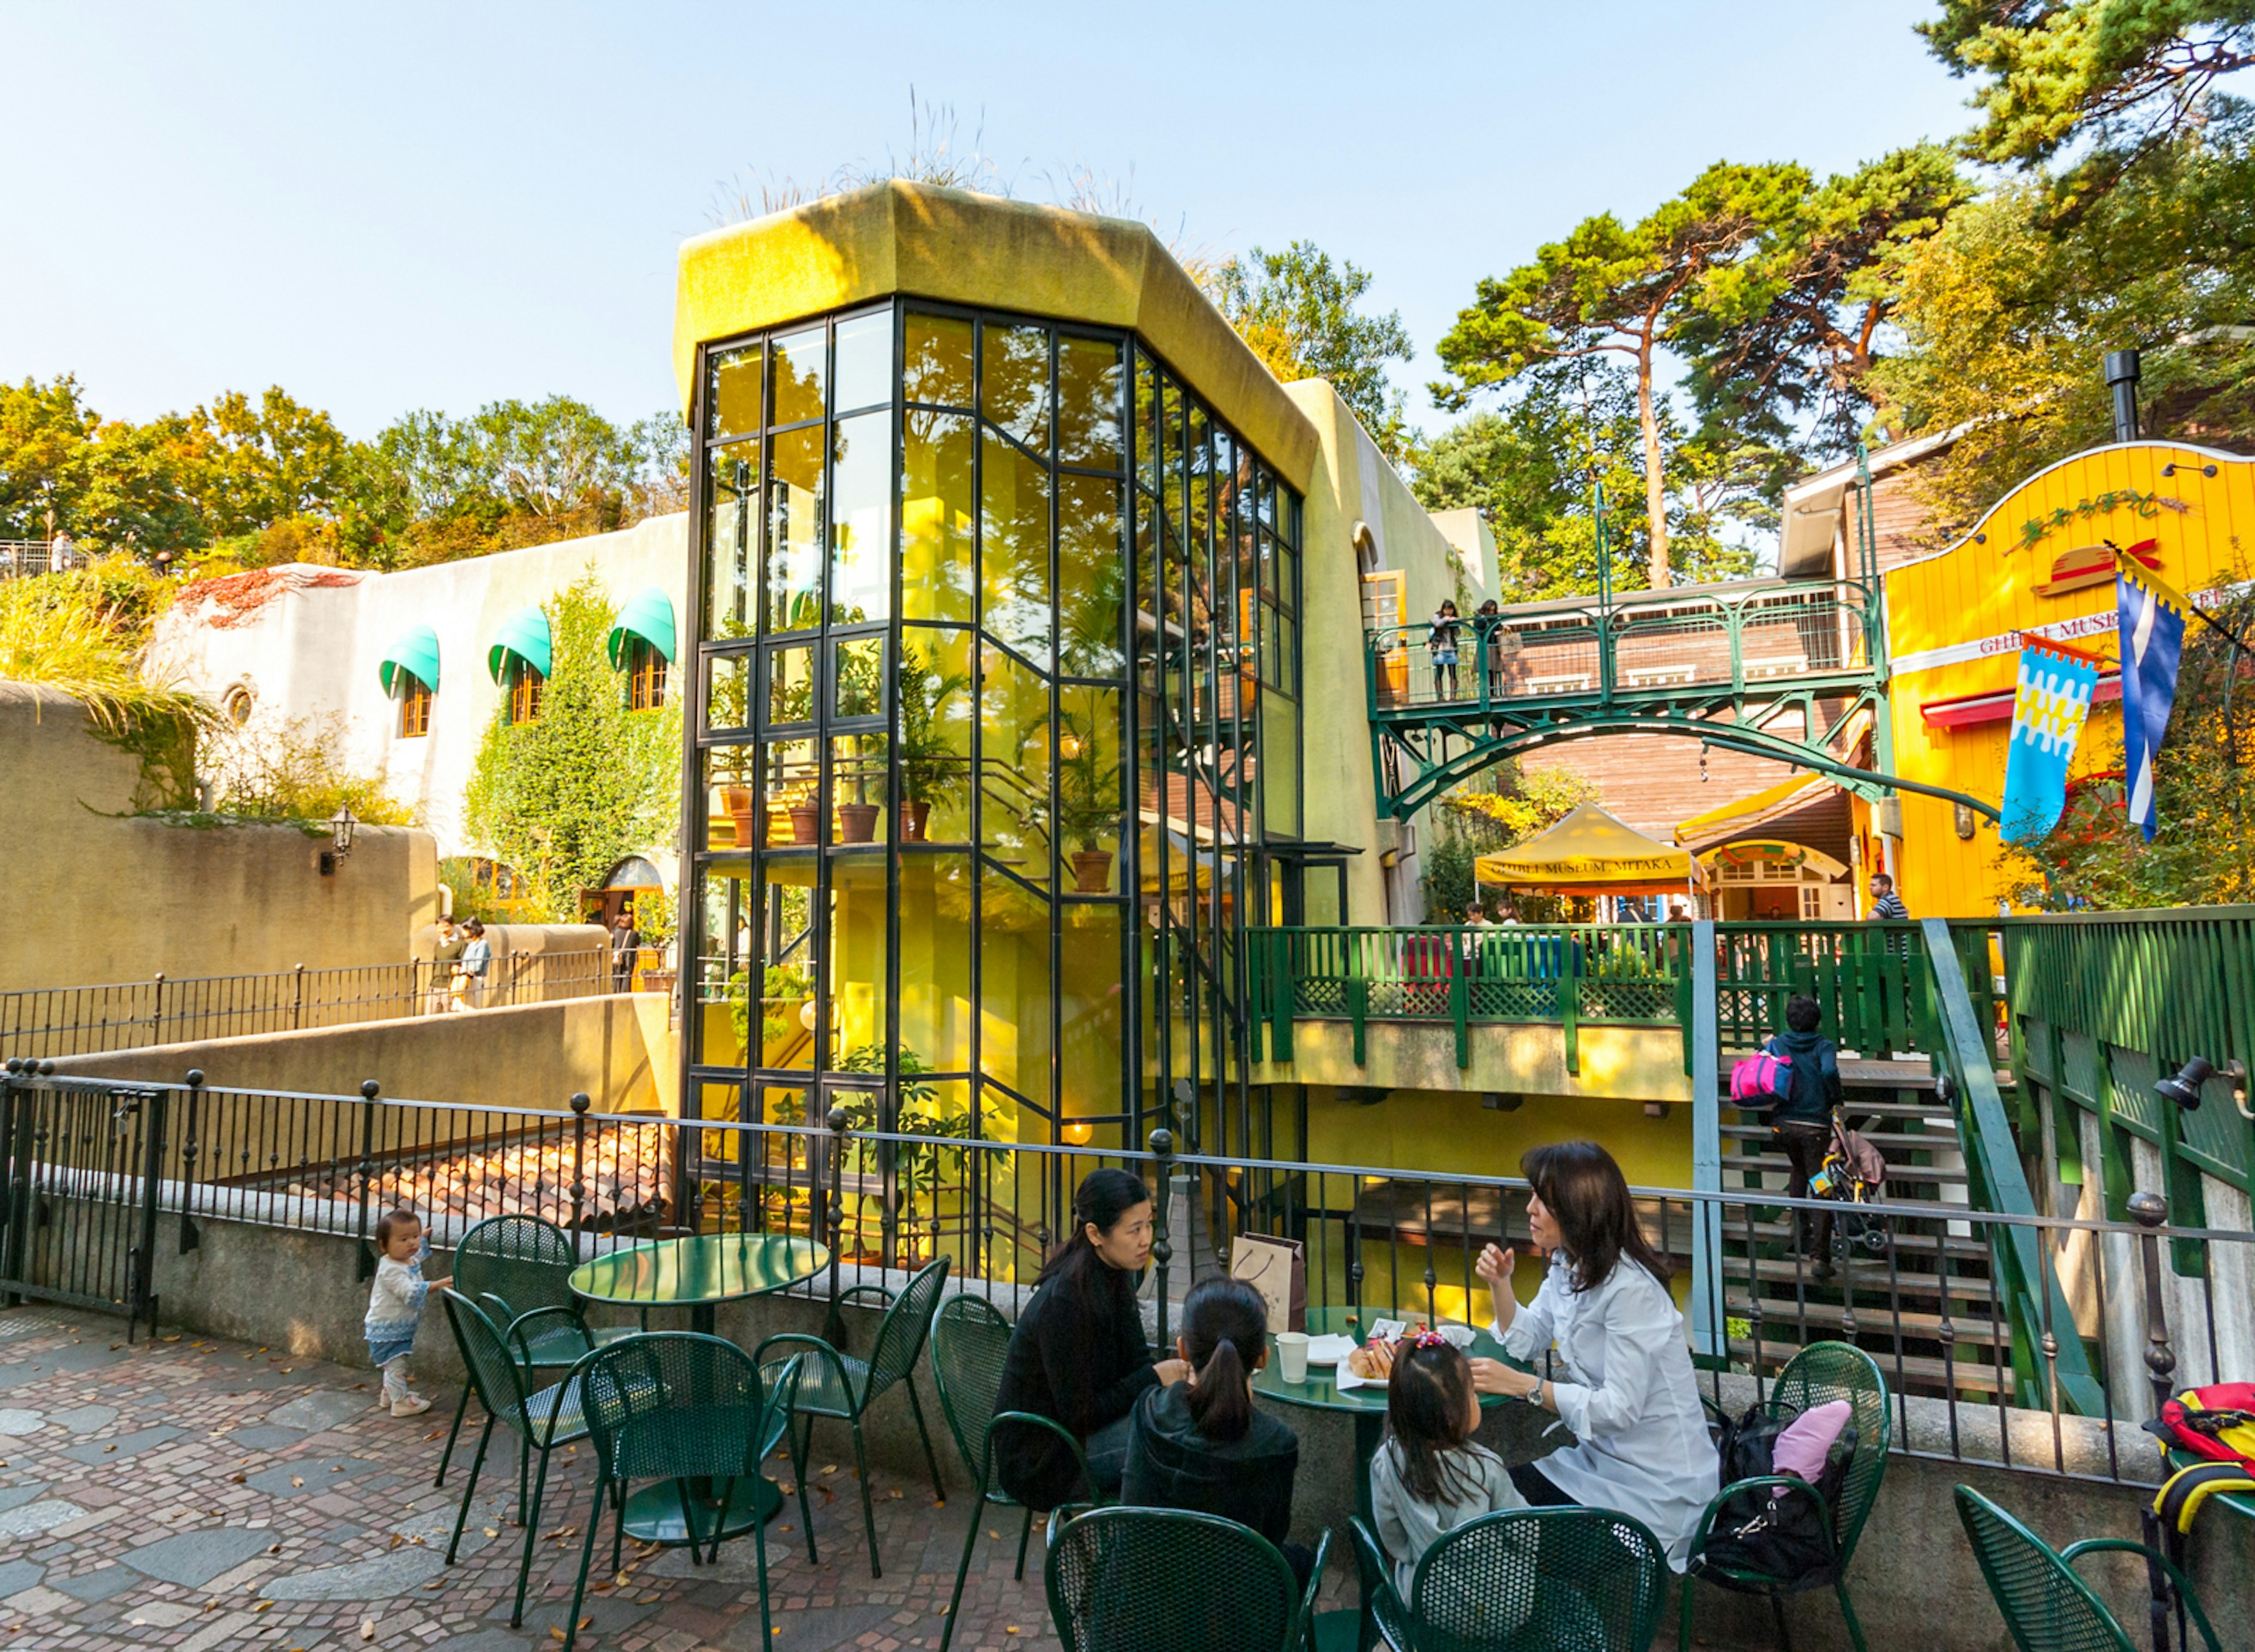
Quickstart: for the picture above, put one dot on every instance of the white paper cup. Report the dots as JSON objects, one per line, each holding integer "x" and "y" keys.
{"x": 1292, "y": 1355}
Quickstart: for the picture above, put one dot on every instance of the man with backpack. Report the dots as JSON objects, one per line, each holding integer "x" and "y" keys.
{"x": 1800, "y": 1123}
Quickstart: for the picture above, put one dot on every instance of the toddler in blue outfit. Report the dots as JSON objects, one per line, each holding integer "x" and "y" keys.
{"x": 395, "y": 1304}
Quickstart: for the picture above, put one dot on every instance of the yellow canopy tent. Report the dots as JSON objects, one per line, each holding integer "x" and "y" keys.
{"x": 1589, "y": 853}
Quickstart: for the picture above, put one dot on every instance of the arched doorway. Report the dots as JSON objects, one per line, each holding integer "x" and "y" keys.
{"x": 631, "y": 877}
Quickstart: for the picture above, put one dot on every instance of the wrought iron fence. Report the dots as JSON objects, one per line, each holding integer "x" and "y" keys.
{"x": 100, "y": 1173}
{"x": 23, "y": 559}
{"x": 49, "y": 1022}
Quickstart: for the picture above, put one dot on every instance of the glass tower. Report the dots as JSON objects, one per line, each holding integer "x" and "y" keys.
{"x": 997, "y": 658}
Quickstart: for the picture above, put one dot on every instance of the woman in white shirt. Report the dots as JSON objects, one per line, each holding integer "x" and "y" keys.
{"x": 1641, "y": 1445}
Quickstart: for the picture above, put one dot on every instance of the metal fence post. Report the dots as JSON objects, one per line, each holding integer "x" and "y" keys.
{"x": 13, "y": 1191}
{"x": 2149, "y": 1210}
{"x": 834, "y": 1326}
{"x": 142, "y": 1264}
{"x": 298, "y": 998}
{"x": 579, "y": 1106}
{"x": 189, "y": 1237}
{"x": 367, "y": 1093}
{"x": 1163, "y": 1250}
{"x": 157, "y": 1010}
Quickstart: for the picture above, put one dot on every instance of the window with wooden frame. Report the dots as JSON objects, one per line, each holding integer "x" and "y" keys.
{"x": 414, "y": 706}
{"x": 646, "y": 676}
{"x": 524, "y": 685}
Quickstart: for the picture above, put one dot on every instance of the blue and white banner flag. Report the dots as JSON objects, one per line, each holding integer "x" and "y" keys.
{"x": 2049, "y": 706}
{"x": 2153, "y": 647}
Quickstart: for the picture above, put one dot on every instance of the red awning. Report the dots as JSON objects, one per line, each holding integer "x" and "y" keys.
{"x": 1966, "y": 710}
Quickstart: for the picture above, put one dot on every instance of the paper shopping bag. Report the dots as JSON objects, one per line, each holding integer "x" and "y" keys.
{"x": 1278, "y": 1269}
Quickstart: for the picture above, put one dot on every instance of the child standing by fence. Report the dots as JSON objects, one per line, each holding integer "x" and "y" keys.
{"x": 395, "y": 1304}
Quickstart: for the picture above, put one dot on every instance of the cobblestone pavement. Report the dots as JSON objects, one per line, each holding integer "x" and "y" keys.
{"x": 201, "y": 1494}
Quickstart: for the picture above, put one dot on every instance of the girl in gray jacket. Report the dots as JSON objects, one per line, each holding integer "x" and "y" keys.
{"x": 1430, "y": 1477}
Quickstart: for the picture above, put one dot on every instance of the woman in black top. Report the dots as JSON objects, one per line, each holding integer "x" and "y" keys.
{"x": 1079, "y": 1353}
{"x": 1200, "y": 1445}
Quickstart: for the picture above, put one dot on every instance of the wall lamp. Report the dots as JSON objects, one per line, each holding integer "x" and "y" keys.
{"x": 343, "y": 824}
{"x": 2184, "y": 1089}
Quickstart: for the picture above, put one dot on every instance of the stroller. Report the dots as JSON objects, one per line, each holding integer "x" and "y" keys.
{"x": 1854, "y": 1173}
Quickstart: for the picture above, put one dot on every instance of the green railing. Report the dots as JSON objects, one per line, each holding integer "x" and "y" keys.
{"x": 1870, "y": 980}
{"x": 1964, "y": 1051}
{"x": 1566, "y": 976}
{"x": 2103, "y": 1006}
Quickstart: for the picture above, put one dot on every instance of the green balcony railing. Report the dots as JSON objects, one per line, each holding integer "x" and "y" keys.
{"x": 1568, "y": 975}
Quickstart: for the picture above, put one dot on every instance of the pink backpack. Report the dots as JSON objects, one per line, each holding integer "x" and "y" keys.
{"x": 1760, "y": 1081}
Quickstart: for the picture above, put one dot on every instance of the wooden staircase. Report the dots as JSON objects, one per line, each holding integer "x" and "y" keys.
{"x": 1921, "y": 1303}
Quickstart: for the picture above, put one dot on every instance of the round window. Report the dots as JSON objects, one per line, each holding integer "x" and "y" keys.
{"x": 236, "y": 704}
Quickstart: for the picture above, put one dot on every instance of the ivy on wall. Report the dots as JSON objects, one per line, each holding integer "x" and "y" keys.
{"x": 565, "y": 798}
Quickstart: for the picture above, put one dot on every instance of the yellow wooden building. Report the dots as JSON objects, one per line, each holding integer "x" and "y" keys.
{"x": 2038, "y": 563}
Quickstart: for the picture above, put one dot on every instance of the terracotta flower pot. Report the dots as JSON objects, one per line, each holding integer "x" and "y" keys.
{"x": 737, "y": 800}
{"x": 914, "y": 813}
{"x": 806, "y": 823}
{"x": 857, "y": 822}
{"x": 1091, "y": 871}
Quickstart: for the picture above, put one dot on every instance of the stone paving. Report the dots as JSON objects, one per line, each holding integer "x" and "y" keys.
{"x": 198, "y": 1494}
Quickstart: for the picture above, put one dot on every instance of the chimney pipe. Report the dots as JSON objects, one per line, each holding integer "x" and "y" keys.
{"x": 2121, "y": 379}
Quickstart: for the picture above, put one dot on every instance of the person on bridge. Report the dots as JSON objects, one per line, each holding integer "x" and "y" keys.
{"x": 1641, "y": 1445}
{"x": 1443, "y": 642}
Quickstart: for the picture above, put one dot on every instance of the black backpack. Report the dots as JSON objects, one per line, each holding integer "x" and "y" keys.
{"x": 1781, "y": 1535}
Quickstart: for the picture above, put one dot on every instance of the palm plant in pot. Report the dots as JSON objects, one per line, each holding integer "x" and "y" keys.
{"x": 1088, "y": 798}
{"x": 929, "y": 759}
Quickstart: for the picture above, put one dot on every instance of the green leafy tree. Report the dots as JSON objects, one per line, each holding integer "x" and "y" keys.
{"x": 251, "y": 466}
{"x": 2125, "y": 79}
{"x": 1792, "y": 348}
{"x": 1296, "y": 310}
{"x": 2007, "y": 311}
{"x": 1627, "y": 290}
{"x": 1529, "y": 467}
{"x": 569, "y": 796}
{"x": 1449, "y": 888}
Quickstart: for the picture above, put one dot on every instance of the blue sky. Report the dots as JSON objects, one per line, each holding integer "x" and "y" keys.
{"x": 395, "y": 206}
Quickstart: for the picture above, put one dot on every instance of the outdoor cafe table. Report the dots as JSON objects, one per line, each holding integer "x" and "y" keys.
{"x": 698, "y": 1272}
{"x": 1366, "y": 1405}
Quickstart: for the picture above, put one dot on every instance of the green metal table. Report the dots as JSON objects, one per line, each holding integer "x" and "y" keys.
{"x": 698, "y": 1272}
{"x": 1336, "y": 1631}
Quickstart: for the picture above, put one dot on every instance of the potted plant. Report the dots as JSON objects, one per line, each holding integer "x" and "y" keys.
{"x": 1088, "y": 801}
{"x": 928, "y": 757}
{"x": 798, "y": 805}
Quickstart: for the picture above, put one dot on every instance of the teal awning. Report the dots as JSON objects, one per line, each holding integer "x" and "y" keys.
{"x": 525, "y": 635}
{"x": 648, "y": 615}
{"x": 415, "y": 651}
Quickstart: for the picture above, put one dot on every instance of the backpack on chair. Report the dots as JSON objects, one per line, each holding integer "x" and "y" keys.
{"x": 2215, "y": 1425}
{"x": 1767, "y": 1528}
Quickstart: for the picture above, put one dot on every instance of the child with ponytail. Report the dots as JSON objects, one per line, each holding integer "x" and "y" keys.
{"x": 1200, "y": 1445}
{"x": 1430, "y": 1477}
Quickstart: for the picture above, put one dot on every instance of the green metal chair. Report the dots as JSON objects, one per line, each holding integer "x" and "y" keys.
{"x": 1136, "y": 1579}
{"x": 970, "y": 1339}
{"x": 1523, "y": 1580}
{"x": 1820, "y": 1373}
{"x": 542, "y": 1420}
{"x": 2047, "y": 1607}
{"x": 836, "y": 1385}
{"x": 679, "y": 1406}
{"x": 511, "y": 1266}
